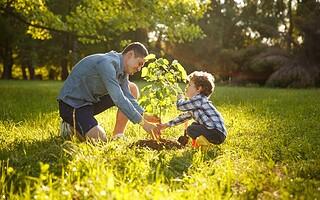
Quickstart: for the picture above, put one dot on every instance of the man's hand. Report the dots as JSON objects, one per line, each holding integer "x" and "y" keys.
{"x": 152, "y": 118}
{"x": 151, "y": 129}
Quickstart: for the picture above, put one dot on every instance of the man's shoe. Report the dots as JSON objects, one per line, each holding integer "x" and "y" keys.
{"x": 119, "y": 136}
{"x": 65, "y": 130}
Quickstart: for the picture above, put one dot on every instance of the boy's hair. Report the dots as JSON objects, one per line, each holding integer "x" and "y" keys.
{"x": 204, "y": 80}
{"x": 139, "y": 49}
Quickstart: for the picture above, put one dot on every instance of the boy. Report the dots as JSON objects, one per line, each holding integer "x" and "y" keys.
{"x": 209, "y": 124}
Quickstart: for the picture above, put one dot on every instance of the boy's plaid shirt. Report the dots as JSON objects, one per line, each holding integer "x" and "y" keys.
{"x": 201, "y": 110}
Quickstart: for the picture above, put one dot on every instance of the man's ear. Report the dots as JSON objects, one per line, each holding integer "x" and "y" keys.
{"x": 130, "y": 54}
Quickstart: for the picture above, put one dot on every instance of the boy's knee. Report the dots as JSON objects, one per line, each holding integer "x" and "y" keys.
{"x": 191, "y": 132}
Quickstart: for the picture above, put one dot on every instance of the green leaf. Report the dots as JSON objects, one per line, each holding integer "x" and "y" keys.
{"x": 44, "y": 167}
{"x": 144, "y": 72}
{"x": 149, "y": 109}
{"x": 150, "y": 57}
{"x": 180, "y": 68}
{"x": 159, "y": 61}
{"x": 159, "y": 95}
{"x": 151, "y": 65}
{"x": 166, "y": 62}
{"x": 184, "y": 76}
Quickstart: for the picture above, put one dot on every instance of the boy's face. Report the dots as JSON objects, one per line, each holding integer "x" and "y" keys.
{"x": 191, "y": 90}
{"x": 132, "y": 64}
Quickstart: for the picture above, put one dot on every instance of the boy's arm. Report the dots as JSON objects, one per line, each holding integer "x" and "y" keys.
{"x": 176, "y": 121}
{"x": 190, "y": 104}
{"x": 180, "y": 119}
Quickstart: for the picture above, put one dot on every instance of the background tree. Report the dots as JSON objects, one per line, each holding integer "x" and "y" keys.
{"x": 249, "y": 41}
{"x": 307, "y": 21}
{"x": 222, "y": 35}
{"x": 92, "y": 22}
{"x": 8, "y": 35}
{"x": 264, "y": 42}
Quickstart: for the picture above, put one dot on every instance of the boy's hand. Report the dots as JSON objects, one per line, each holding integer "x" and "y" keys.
{"x": 162, "y": 126}
{"x": 180, "y": 96}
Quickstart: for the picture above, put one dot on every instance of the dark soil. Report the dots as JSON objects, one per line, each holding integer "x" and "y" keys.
{"x": 161, "y": 144}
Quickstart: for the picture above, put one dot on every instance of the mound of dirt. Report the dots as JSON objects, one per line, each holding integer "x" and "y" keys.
{"x": 157, "y": 145}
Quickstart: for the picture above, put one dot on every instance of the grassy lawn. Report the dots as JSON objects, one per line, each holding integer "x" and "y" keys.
{"x": 271, "y": 151}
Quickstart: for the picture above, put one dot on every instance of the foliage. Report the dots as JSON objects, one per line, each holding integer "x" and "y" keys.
{"x": 69, "y": 30}
{"x": 292, "y": 76}
{"x": 202, "y": 34}
{"x": 163, "y": 78}
{"x": 271, "y": 151}
{"x": 232, "y": 26}
{"x": 95, "y": 21}
{"x": 307, "y": 21}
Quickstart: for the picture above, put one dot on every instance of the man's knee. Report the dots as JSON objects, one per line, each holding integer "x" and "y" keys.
{"x": 134, "y": 90}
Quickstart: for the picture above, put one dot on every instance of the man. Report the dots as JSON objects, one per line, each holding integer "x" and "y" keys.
{"x": 98, "y": 82}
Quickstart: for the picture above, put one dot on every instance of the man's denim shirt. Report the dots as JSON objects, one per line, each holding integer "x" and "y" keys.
{"x": 97, "y": 75}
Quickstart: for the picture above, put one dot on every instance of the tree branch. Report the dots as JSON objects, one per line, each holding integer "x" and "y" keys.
{"x": 21, "y": 19}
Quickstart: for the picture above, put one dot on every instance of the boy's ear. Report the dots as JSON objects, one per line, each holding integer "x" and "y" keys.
{"x": 199, "y": 89}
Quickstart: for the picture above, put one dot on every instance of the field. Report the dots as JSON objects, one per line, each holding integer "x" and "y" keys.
{"x": 271, "y": 152}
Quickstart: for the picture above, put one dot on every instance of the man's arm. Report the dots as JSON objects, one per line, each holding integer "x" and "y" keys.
{"x": 127, "y": 92}
{"x": 107, "y": 71}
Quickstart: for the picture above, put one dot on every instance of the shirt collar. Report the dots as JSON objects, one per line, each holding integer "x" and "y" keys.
{"x": 200, "y": 96}
{"x": 121, "y": 71}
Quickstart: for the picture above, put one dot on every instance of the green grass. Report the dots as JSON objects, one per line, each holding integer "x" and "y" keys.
{"x": 271, "y": 151}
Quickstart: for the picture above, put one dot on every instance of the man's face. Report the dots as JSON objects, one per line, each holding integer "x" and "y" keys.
{"x": 133, "y": 64}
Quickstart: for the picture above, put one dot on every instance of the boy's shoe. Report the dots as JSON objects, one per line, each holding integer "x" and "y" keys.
{"x": 202, "y": 141}
{"x": 119, "y": 136}
{"x": 194, "y": 143}
{"x": 65, "y": 130}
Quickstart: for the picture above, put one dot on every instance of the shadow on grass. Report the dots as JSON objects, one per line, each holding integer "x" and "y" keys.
{"x": 24, "y": 158}
{"x": 181, "y": 163}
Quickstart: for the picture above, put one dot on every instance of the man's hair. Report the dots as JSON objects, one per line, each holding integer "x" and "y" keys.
{"x": 204, "y": 80}
{"x": 138, "y": 48}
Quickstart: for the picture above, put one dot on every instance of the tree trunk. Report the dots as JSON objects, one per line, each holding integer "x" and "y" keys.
{"x": 64, "y": 61}
{"x": 31, "y": 72}
{"x": 290, "y": 28}
{"x": 27, "y": 64}
{"x": 7, "y": 61}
